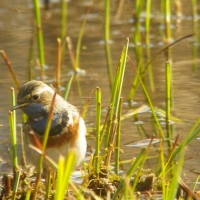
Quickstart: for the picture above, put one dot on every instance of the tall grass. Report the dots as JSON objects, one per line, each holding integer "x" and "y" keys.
{"x": 40, "y": 42}
{"x": 98, "y": 123}
{"x": 107, "y": 40}
{"x": 115, "y": 103}
{"x": 118, "y": 138}
{"x": 168, "y": 72}
{"x": 13, "y": 132}
{"x": 167, "y": 17}
{"x": 59, "y": 61}
{"x": 64, "y": 9}
{"x": 65, "y": 167}
{"x": 148, "y": 43}
{"x": 78, "y": 46}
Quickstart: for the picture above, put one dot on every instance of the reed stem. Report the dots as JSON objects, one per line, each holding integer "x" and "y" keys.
{"x": 13, "y": 132}
{"x": 107, "y": 41}
{"x": 59, "y": 60}
{"x": 167, "y": 6}
{"x": 118, "y": 139}
{"x": 40, "y": 42}
{"x": 44, "y": 143}
{"x": 98, "y": 125}
{"x": 64, "y": 8}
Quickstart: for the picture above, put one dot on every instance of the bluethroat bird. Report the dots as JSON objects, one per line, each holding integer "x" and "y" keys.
{"x": 67, "y": 131}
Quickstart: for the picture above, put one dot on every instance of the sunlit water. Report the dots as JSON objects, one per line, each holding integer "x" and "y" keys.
{"x": 17, "y": 36}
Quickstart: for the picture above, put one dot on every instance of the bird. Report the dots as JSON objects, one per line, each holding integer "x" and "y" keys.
{"x": 67, "y": 131}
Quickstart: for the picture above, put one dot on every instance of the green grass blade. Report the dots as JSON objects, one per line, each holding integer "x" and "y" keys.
{"x": 136, "y": 163}
{"x": 28, "y": 195}
{"x": 152, "y": 108}
{"x": 115, "y": 99}
{"x": 13, "y": 132}
{"x": 162, "y": 161}
{"x": 148, "y": 21}
{"x": 44, "y": 142}
{"x": 167, "y": 15}
{"x": 68, "y": 86}
{"x": 168, "y": 99}
{"x": 59, "y": 61}
{"x": 78, "y": 191}
{"x": 65, "y": 168}
{"x": 192, "y": 134}
{"x": 16, "y": 185}
{"x": 173, "y": 186}
{"x": 39, "y": 33}
{"x": 64, "y": 7}
{"x": 107, "y": 40}
{"x": 118, "y": 139}
{"x": 98, "y": 124}
{"x": 78, "y": 47}
{"x": 118, "y": 82}
{"x": 46, "y": 133}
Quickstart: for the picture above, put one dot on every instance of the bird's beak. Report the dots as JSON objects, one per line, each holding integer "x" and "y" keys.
{"x": 19, "y": 106}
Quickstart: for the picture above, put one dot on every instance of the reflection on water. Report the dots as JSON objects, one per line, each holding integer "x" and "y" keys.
{"x": 16, "y": 36}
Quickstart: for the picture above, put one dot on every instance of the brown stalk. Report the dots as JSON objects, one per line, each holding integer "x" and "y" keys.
{"x": 10, "y": 68}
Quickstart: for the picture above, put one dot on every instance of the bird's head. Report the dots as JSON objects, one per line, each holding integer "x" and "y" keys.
{"x": 34, "y": 98}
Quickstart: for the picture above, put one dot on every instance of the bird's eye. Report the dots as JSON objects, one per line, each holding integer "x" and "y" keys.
{"x": 35, "y": 97}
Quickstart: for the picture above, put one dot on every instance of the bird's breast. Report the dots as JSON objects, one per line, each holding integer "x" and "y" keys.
{"x": 58, "y": 124}
{"x": 68, "y": 135}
